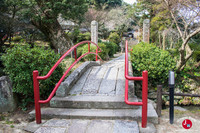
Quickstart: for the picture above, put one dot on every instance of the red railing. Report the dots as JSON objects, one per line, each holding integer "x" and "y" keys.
{"x": 36, "y": 78}
{"x": 144, "y": 80}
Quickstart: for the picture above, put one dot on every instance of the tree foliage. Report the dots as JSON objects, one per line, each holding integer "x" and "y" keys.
{"x": 186, "y": 17}
{"x": 172, "y": 22}
{"x": 8, "y": 22}
{"x": 43, "y": 14}
{"x": 106, "y": 4}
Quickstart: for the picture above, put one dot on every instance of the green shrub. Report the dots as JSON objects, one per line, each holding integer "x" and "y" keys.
{"x": 104, "y": 53}
{"x": 112, "y": 47}
{"x": 157, "y": 62}
{"x": 114, "y": 37}
{"x": 84, "y": 37}
{"x": 21, "y": 61}
{"x": 16, "y": 38}
{"x": 92, "y": 57}
{"x": 84, "y": 49}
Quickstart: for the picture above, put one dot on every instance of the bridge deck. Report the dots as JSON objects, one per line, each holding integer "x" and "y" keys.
{"x": 107, "y": 79}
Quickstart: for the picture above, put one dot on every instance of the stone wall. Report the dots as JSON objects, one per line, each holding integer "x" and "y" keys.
{"x": 7, "y": 101}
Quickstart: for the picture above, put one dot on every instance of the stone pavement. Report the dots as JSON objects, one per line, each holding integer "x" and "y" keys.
{"x": 95, "y": 104}
{"x": 107, "y": 79}
{"x": 84, "y": 126}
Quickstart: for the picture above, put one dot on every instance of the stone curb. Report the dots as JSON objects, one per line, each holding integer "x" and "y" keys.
{"x": 65, "y": 86}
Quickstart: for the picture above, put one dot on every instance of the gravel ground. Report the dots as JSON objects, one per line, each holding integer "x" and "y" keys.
{"x": 180, "y": 114}
{"x": 13, "y": 122}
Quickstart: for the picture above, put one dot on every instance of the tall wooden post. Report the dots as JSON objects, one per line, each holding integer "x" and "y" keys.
{"x": 159, "y": 100}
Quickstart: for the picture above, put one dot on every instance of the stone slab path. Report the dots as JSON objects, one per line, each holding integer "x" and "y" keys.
{"x": 85, "y": 126}
{"x": 107, "y": 79}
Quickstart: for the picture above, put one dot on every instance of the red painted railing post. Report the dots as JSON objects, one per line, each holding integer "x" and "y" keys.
{"x": 36, "y": 97}
{"x": 88, "y": 47}
{"x": 75, "y": 54}
{"x": 96, "y": 54}
{"x": 144, "y": 98}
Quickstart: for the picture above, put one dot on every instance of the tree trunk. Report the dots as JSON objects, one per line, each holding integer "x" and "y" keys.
{"x": 55, "y": 34}
{"x": 171, "y": 44}
{"x": 160, "y": 41}
{"x": 184, "y": 58}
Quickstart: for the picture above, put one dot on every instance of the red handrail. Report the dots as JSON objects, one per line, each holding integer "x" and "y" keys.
{"x": 36, "y": 78}
{"x": 144, "y": 80}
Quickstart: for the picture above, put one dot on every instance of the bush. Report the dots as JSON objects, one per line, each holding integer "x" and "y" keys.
{"x": 77, "y": 37}
{"x": 112, "y": 47}
{"x": 114, "y": 37}
{"x": 20, "y": 61}
{"x": 16, "y": 38}
{"x": 84, "y": 49}
{"x": 104, "y": 53}
{"x": 92, "y": 57}
{"x": 157, "y": 62}
{"x": 84, "y": 37}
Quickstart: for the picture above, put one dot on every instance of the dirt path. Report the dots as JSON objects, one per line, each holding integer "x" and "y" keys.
{"x": 13, "y": 122}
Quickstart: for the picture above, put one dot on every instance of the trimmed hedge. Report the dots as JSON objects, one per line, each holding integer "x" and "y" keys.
{"x": 157, "y": 62}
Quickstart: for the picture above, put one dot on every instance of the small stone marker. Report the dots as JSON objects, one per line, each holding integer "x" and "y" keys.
{"x": 94, "y": 31}
{"x": 146, "y": 32}
{"x": 7, "y": 102}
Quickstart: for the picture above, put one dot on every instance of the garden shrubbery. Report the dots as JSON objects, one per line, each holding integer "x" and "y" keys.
{"x": 112, "y": 47}
{"x": 157, "y": 62}
{"x": 77, "y": 37}
{"x": 108, "y": 50}
{"x": 83, "y": 36}
{"x": 114, "y": 37}
{"x": 20, "y": 62}
{"x": 16, "y": 38}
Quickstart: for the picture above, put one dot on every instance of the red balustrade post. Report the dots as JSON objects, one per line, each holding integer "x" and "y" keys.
{"x": 88, "y": 47}
{"x": 36, "y": 97}
{"x": 144, "y": 98}
{"x": 96, "y": 55}
{"x": 75, "y": 54}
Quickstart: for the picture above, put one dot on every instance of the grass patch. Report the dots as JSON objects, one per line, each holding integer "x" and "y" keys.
{"x": 9, "y": 122}
{"x": 12, "y": 126}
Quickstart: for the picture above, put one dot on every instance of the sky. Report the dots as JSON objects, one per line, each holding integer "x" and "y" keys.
{"x": 130, "y": 1}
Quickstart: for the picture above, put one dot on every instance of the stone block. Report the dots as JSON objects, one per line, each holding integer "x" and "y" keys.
{"x": 51, "y": 130}
{"x": 57, "y": 123}
{"x": 122, "y": 126}
{"x": 149, "y": 129}
{"x": 7, "y": 100}
{"x": 100, "y": 126}
{"x": 78, "y": 126}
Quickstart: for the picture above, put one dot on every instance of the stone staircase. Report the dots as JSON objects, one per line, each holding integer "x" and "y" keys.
{"x": 98, "y": 93}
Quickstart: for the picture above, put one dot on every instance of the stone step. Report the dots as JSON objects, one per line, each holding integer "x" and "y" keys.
{"x": 84, "y": 126}
{"x": 103, "y": 114}
{"x": 92, "y": 102}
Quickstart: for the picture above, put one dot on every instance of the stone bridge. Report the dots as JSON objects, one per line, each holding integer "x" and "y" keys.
{"x": 91, "y": 99}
